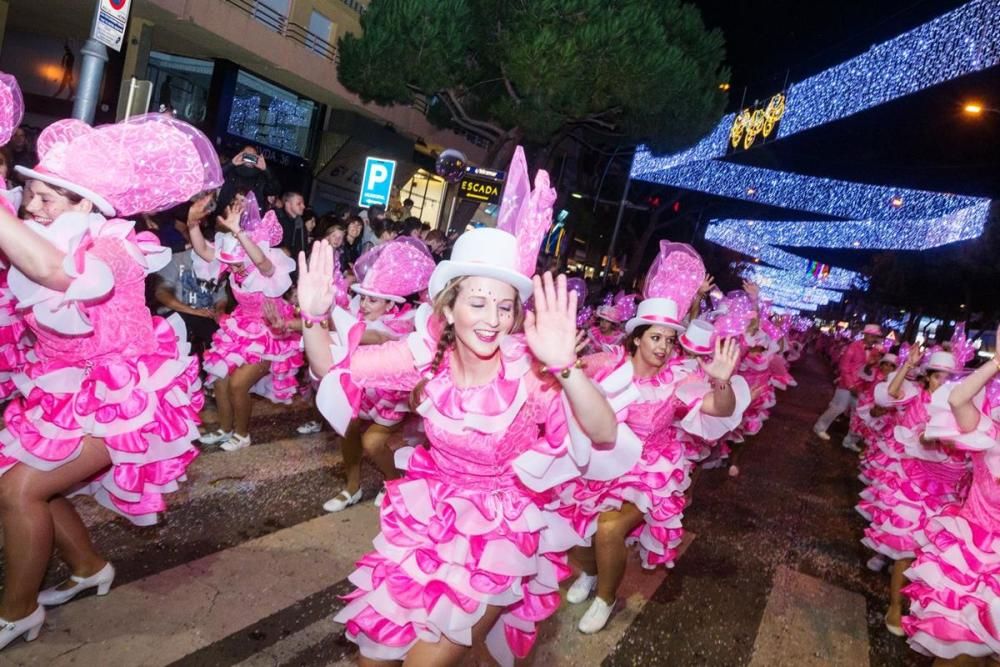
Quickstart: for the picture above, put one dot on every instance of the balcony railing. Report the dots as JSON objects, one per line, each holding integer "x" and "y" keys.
{"x": 279, "y": 23}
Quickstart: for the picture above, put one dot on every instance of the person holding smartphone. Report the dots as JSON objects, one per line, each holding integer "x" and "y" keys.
{"x": 247, "y": 172}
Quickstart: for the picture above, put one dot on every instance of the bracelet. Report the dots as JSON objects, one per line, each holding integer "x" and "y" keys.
{"x": 564, "y": 371}
{"x": 996, "y": 362}
{"x": 310, "y": 320}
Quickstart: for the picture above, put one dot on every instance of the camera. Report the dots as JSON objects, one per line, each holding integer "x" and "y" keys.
{"x": 250, "y": 158}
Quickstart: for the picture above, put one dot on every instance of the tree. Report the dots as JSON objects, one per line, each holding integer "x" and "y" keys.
{"x": 539, "y": 71}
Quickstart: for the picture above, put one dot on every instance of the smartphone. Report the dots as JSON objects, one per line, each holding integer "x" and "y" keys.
{"x": 250, "y": 158}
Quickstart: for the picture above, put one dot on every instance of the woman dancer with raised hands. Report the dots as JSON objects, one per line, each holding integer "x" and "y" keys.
{"x": 645, "y": 505}
{"x": 954, "y": 585}
{"x": 466, "y": 552}
{"x": 247, "y": 354}
{"x": 109, "y": 402}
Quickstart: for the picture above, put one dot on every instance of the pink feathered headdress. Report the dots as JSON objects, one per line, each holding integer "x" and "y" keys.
{"x": 508, "y": 253}
{"x": 961, "y": 346}
{"x": 671, "y": 285}
{"x": 394, "y": 270}
{"x": 143, "y": 165}
{"x": 11, "y": 106}
{"x": 263, "y": 230}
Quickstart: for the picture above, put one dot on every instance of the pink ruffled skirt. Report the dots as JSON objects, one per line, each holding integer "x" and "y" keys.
{"x": 955, "y": 589}
{"x": 655, "y": 485}
{"x": 145, "y": 410}
{"x": 244, "y": 340}
{"x": 449, "y": 547}
{"x": 13, "y": 347}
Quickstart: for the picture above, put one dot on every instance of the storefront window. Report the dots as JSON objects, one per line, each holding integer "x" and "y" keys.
{"x": 272, "y": 116}
{"x": 180, "y": 84}
{"x": 427, "y": 192}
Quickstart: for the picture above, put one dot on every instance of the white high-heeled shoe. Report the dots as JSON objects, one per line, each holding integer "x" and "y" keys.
{"x": 28, "y": 627}
{"x": 53, "y": 597}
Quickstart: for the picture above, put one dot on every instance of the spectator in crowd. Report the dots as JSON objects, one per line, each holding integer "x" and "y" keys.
{"x": 21, "y": 148}
{"x": 411, "y": 227}
{"x": 6, "y": 168}
{"x": 293, "y": 229}
{"x": 407, "y": 208}
{"x": 176, "y": 289}
{"x": 424, "y": 228}
{"x": 383, "y": 230}
{"x": 247, "y": 172}
{"x": 353, "y": 240}
{"x": 438, "y": 244}
{"x": 310, "y": 220}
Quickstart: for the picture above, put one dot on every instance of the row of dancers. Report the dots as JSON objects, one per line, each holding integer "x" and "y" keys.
{"x": 528, "y": 456}
{"x": 931, "y": 497}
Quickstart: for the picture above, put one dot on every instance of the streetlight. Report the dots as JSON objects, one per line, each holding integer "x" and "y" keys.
{"x": 974, "y": 108}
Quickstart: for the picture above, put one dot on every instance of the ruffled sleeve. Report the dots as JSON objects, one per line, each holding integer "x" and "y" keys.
{"x": 943, "y": 426}
{"x": 692, "y": 392}
{"x": 280, "y": 280}
{"x": 565, "y": 452}
{"x": 882, "y": 397}
{"x": 94, "y": 248}
{"x": 392, "y": 366}
{"x": 213, "y": 270}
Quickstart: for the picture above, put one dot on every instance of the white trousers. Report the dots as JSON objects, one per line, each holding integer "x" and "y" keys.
{"x": 842, "y": 402}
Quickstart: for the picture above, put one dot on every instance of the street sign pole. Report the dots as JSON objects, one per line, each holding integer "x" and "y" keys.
{"x": 618, "y": 225}
{"x": 95, "y": 55}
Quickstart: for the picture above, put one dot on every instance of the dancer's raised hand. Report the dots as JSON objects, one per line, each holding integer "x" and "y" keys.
{"x": 723, "y": 364}
{"x": 315, "y": 286}
{"x": 551, "y": 329}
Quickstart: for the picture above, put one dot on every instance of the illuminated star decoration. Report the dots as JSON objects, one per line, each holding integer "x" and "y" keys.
{"x": 958, "y": 43}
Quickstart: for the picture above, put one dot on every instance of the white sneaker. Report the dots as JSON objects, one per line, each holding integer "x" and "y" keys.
{"x": 853, "y": 446}
{"x": 309, "y": 428}
{"x": 379, "y": 497}
{"x": 581, "y": 588}
{"x": 734, "y": 471}
{"x": 236, "y": 442}
{"x": 342, "y": 501}
{"x": 876, "y": 563}
{"x": 215, "y": 437}
{"x": 822, "y": 435}
{"x": 28, "y": 627}
{"x": 596, "y": 617}
{"x": 52, "y": 597}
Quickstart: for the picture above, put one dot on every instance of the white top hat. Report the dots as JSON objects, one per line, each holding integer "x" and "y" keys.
{"x": 698, "y": 337}
{"x": 889, "y": 358}
{"x": 656, "y": 312}
{"x": 486, "y": 252}
{"x": 943, "y": 361}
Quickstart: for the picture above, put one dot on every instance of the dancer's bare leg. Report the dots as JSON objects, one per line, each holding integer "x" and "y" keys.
{"x": 375, "y": 441}
{"x": 28, "y": 526}
{"x": 609, "y": 544}
{"x": 241, "y": 382}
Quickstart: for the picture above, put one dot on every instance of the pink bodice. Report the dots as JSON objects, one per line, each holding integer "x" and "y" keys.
{"x": 122, "y": 324}
{"x": 982, "y": 505}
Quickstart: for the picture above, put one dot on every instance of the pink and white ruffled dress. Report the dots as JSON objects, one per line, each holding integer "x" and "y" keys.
{"x": 915, "y": 487}
{"x": 600, "y": 342}
{"x": 244, "y": 336}
{"x": 669, "y": 406}
{"x": 15, "y": 338}
{"x": 383, "y": 406}
{"x": 755, "y": 368}
{"x": 103, "y": 367}
{"x": 955, "y": 580}
{"x": 465, "y": 528}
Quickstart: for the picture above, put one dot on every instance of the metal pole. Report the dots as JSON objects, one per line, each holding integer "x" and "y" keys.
{"x": 618, "y": 224}
{"x": 88, "y": 93}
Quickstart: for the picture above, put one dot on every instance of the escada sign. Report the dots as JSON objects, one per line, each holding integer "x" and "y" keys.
{"x": 480, "y": 188}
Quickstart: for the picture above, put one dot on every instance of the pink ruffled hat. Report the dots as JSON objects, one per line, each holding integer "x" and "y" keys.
{"x": 699, "y": 337}
{"x": 872, "y": 330}
{"x": 143, "y": 165}
{"x": 673, "y": 280}
{"x": 394, "y": 270}
{"x": 509, "y": 252}
{"x": 11, "y": 106}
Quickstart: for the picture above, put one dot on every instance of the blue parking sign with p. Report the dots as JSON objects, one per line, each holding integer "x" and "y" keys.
{"x": 376, "y": 186}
